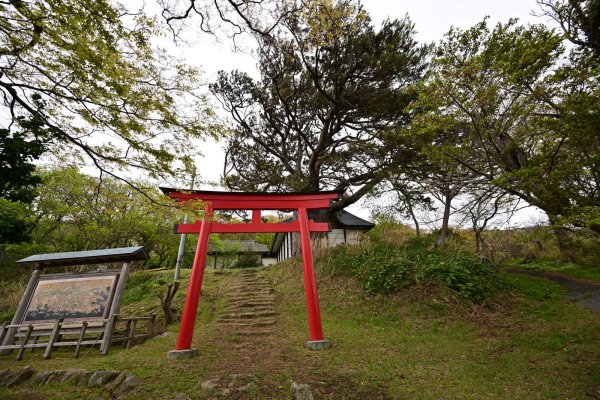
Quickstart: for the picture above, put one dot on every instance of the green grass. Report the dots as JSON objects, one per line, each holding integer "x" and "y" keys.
{"x": 436, "y": 349}
{"x": 418, "y": 343}
{"x": 566, "y": 268}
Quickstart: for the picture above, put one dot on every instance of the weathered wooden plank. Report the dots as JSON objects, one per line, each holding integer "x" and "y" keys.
{"x": 25, "y": 340}
{"x": 150, "y": 330}
{"x": 131, "y": 334}
{"x": 81, "y": 336}
{"x": 18, "y": 346}
{"x": 53, "y": 339}
{"x": 127, "y": 333}
{"x": 3, "y": 332}
{"x": 116, "y": 302}
{"x": 108, "y": 333}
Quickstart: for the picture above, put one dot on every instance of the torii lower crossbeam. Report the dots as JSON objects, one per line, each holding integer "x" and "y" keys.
{"x": 300, "y": 202}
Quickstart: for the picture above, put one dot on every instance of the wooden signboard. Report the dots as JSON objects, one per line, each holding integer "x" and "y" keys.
{"x": 72, "y": 297}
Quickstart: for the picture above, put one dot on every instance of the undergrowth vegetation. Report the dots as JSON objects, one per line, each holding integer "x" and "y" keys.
{"x": 383, "y": 265}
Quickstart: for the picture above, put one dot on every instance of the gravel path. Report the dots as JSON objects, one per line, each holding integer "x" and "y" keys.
{"x": 584, "y": 293}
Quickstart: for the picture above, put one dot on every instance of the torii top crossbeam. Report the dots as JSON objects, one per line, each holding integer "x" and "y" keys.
{"x": 256, "y": 202}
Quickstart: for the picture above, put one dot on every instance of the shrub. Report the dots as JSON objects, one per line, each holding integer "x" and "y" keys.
{"x": 384, "y": 268}
{"x": 247, "y": 260}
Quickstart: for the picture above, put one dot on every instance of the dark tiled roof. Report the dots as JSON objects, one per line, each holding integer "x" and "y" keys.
{"x": 343, "y": 217}
{"x": 348, "y": 220}
{"x": 123, "y": 254}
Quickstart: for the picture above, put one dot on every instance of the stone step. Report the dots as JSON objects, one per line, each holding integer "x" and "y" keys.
{"x": 249, "y": 292}
{"x": 248, "y": 314}
{"x": 250, "y": 303}
{"x": 255, "y": 332}
{"x": 248, "y": 323}
{"x": 251, "y": 298}
{"x": 237, "y": 309}
{"x": 247, "y": 272}
{"x": 251, "y": 284}
{"x": 252, "y": 278}
{"x": 250, "y": 289}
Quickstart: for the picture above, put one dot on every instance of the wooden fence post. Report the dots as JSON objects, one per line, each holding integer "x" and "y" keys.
{"x": 108, "y": 333}
{"x": 53, "y": 338}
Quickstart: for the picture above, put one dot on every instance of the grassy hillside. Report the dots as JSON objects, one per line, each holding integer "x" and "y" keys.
{"x": 420, "y": 342}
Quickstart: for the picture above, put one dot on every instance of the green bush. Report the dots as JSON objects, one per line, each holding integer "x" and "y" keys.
{"x": 247, "y": 260}
{"x": 384, "y": 268}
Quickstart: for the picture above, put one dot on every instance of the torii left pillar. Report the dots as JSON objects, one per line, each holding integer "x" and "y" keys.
{"x": 183, "y": 348}
{"x": 255, "y": 202}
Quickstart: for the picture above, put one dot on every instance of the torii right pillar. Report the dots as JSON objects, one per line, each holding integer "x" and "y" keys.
{"x": 315, "y": 330}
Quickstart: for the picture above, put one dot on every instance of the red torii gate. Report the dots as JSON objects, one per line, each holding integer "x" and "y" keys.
{"x": 256, "y": 202}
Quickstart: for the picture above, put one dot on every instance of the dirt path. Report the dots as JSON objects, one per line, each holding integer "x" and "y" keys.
{"x": 584, "y": 293}
{"x": 260, "y": 352}
{"x": 245, "y": 339}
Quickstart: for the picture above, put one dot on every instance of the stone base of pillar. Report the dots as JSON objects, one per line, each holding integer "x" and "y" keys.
{"x": 317, "y": 344}
{"x": 182, "y": 354}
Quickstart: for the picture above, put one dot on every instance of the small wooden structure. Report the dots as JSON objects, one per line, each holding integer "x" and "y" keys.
{"x": 52, "y": 312}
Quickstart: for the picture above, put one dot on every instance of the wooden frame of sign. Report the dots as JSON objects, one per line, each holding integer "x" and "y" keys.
{"x": 66, "y": 309}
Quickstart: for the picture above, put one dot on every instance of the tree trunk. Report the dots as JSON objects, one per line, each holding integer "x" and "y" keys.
{"x": 441, "y": 239}
{"x": 562, "y": 238}
{"x": 166, "y": 300}
{"x": 477, "y": 240}
{"x": 413, "y": 216}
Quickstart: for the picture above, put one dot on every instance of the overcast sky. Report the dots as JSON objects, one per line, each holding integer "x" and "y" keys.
{"x": 432, "y": 18}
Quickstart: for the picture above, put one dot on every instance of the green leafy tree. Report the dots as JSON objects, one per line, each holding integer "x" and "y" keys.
{"x": 399, "y": 197}
{"x": 87, "y": 73}
{"x": 524, "y": 115}
{"x": 579, "y": 20}
{"x": 16, "y": 222}
{"x": 79, "y": 212}
{"x": 332, "y": 93}
{"x": 17, "y": 178}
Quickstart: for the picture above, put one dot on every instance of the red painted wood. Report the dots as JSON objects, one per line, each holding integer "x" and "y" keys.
{"x": 188, "y": 317}
{"x": 271, "y": 204}
{"x": 310, "y": 284}
{"x": 256, "y": 217}
{"x": 217, "y": 196}
{"x": 259, "y": 201}
{"x": 216, "y": 227}
{"x": 255, "y": 202}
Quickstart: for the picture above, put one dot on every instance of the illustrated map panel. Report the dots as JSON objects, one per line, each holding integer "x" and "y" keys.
{"x": 72, "y": 298}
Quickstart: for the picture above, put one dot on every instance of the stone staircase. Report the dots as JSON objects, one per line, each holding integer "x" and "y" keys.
{"x": 249, "y": 309}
